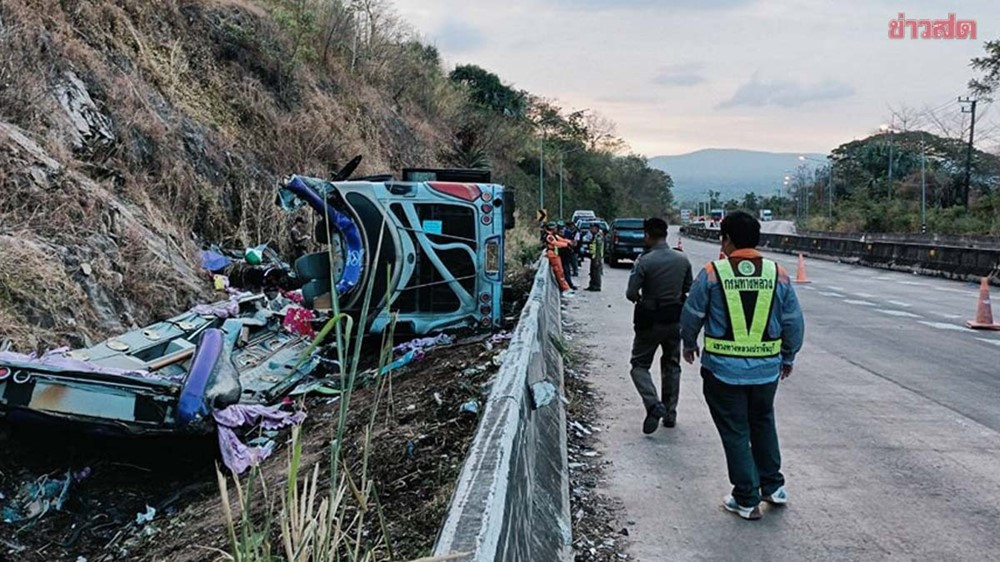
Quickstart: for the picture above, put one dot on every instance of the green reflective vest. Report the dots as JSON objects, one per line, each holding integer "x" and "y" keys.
{"x": 746, "y": 337}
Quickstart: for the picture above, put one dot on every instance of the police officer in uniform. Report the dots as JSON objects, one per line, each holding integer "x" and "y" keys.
{"x": 658, "y": 285}
{"x": 753, "y": 330}
{"x": 596, "y": 249}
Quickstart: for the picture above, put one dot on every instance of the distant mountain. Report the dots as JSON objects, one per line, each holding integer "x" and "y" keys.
{"x": 732, "y": 172}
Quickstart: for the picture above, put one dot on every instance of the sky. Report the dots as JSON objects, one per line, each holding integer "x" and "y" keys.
{"x": 682, "y": 75}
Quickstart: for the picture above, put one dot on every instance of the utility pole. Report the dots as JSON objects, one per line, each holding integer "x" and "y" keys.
{"x": 923, "y": 186}
{"x": 829, "y": 195}
{"x": 968, "y": 153}
{"x": 562, "y": 169}
{"x": 541, "y": 171}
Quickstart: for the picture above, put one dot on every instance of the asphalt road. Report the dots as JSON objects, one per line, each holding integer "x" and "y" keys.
{"x": 889, "y": 429}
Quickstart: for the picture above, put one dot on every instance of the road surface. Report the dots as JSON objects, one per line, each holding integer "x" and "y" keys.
{"x": 889, "y": 429}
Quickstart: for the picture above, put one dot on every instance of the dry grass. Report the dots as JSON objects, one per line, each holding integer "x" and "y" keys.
{"x": 38, "y": 298}
{"x": 209, "y": 108}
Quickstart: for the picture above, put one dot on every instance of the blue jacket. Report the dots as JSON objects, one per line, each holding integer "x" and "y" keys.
{"x": 705, "y": 307}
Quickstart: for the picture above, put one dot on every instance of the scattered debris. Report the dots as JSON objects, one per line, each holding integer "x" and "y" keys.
{"x": 239, "y": 456}
{"x": 145, "y": 516}
{"x": 34, "y": 499}
{"x": 470, "y": 407}
{"x": 597, "y": 532}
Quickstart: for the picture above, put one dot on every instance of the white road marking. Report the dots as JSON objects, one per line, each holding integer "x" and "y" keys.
{"x": 830, "y": 294}
{"x": 862, "y": 303}
{"x": 994, "y": 342}
{"x": 885, "y": 278}
{"x": 865, "y": 295}
{"x": 943, "y": 326}
{"x": 836, "y": 288}
{"x": 900, "y": 313}
{"x": 901, "y": 303}
{"x": 950, "y": 316}
{"x": 959, "y": 291}
{"x": 913, "y": 283}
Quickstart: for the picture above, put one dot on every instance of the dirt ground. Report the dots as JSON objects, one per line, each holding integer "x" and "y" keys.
{"x": 419, "y": 444}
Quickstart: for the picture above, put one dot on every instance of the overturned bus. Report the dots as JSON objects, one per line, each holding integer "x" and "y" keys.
{"x": 430, "y": 249}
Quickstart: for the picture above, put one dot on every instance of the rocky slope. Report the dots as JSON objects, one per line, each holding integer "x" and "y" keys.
{"x": 133, "y": 131}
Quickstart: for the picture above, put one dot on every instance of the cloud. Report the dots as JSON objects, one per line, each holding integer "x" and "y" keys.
{"x": 629, "y": 99}
{"x": 457, "y": 37}
{"x": 780, "y": 93}
{"x": 680, "y": 75}
{"x": 622, "y": 5}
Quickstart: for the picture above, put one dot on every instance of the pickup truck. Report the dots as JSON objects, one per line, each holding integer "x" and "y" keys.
{"x": 626, "y": 241}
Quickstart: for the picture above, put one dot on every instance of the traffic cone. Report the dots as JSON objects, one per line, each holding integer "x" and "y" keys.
{"x": 680, "y": 244}
{"x": 800, "y": 273}
{"x": 984, "y": 312}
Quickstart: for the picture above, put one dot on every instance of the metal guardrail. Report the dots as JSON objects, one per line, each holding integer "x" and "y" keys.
{"x": 928, "y": 258}
{"x": 982, "y": 242}
{"x": 511, "y": 502}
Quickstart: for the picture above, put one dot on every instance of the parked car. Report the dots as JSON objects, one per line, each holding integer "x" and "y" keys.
{"x": 625, "y": 241}
{"x": 429, "y": 249}
{"x": 579, "y": 215}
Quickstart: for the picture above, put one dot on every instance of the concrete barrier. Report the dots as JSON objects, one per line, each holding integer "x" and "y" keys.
{"x": 512, "y": 497}
{"x": 942, "y": 260}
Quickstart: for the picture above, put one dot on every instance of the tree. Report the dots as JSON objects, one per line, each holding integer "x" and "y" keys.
{"x": 989, "y": 65}
{"x": 486, "y": 90}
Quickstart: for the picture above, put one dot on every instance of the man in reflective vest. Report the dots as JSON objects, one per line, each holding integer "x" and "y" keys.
{"x": 753, "y": 330}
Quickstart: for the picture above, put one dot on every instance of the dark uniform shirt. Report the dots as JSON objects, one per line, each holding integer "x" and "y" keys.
{"x": 660, "y": 278}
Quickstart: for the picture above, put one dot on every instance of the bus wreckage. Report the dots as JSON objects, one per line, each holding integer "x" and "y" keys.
{"x": 430, "y": 248}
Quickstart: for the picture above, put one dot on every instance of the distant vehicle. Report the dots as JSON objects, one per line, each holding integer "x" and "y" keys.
{"x": 579, "y": 215}
{"x": 718, "y": 215}
{"x": 627, "y": 241}
{"x": 765, "y": 215}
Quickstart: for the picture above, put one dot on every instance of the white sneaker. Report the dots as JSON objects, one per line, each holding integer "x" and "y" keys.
{"x": 779, "y": 497}
{"x": 749, "y": 513}
{"x": 569, "y": 294}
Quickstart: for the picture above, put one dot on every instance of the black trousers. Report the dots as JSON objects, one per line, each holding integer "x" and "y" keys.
{"x": 744, "y": 416}
{"x": 667, "y": 338}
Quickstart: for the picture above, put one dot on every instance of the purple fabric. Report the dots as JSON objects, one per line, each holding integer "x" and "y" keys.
{"x": 423, "y": 344}
{"x": 236, "y": 454}
{"x": 57, "y": 358}
{"x": 229, "y": 310}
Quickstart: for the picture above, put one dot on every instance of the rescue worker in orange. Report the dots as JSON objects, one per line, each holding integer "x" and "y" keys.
{"x": 554, "y": 243}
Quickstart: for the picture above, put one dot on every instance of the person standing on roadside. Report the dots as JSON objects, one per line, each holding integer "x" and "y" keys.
{"x": 572, "y": 233}
{"x": 658, "y": 286}
{"x": 596, "y": 250}
{"x": 753, "y": 330}
{"x": 553, "y": 245}
{"x": 566, "y": 254}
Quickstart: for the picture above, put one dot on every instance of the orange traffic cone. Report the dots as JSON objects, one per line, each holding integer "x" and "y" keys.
{"x": 680, "y": 244}
{"x": 800, "y": 273}
{"x": 984, "y": 312}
